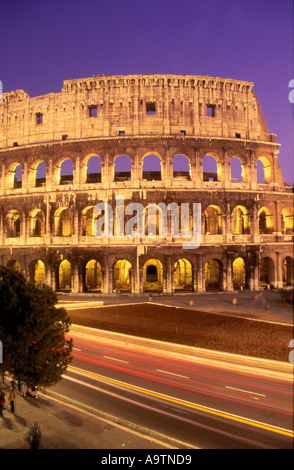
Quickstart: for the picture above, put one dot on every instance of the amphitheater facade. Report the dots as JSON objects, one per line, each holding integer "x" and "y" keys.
{"x": 153, "y": 140}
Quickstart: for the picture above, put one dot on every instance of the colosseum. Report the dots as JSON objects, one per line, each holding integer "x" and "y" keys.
{"x": 152, "y": 140}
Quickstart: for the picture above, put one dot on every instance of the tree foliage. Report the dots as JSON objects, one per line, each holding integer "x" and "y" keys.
{"x": 33, "y": 331}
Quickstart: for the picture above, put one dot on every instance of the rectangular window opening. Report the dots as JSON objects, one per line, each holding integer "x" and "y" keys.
{"x": 121, "y": 133}
{"x": 150, "y": 108}
{"x": 238, "y": 135}
{"x": 182, "y": 132}
{"x": 93, "y": 111}
{"x": 39, "y": 118}
{"x": 210, "y": 110}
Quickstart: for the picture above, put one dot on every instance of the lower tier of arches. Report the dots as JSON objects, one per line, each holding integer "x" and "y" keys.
{"x": 162, "y": 270}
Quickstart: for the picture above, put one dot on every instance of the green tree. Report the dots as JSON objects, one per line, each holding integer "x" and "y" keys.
{"x": 33, "y": 331}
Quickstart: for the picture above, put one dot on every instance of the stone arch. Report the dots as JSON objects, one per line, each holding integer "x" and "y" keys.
{"x": 37, "y": 273}
{"x": 13, "y": 224}
{"x": 212, "y": 167}
{"x": 65, "y": 276}
{"x": 14, "y": 264}
{"x": 266, "y": 272}
{"x": 213, "y": 220}
{"x": 152, "y": 166}
{"x": 287, "y": 267}
{"x": 122, "y": 275}
{"x": 63, "y": 222}
{"x": 88, "y": 221}
{"x": 181, "y": 167}
{"x": 37, "y": 174}
{"x": 36, "y": 223}
{"x": 93, "y": 276}
{"x": 213, "y": 274}
{"x": 240, "y": 220}
{"x": 183, "y": 275}
{"x": 92, "y": 169}
{"x": 265, "y": 221}
{"x": 287, "y": 221}
{"x": 239, "y": 273}
{"x": 64, "y": 171}
{"x": 264, "y": 169}
{"x": 122, "y": 168}
{"x": 153, "y": 275}
{"x": 14, "y": 176}
{"x": 239, "y": 169}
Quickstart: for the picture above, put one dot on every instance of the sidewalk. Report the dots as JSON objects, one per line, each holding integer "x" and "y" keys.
{"x": 65, "y": 426}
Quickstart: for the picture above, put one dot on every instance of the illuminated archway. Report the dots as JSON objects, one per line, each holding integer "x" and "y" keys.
{"x": 287, "y": 221}
{"x": 63, "y": 222}
{"x": 213, "y": 220}
{"x": 13, "y": 224}
{"x": 122, "y": 276}
{"x": 265, "y": 221}
{"x": 14, "y": 176}
{"x": 183, "y": 275}
{"x": 13, "y": 264}
{"x": 240, "y": 220}
{"x": 93, "y": 276}
{"x": 287, "y": 266}
{"x": 264, "y": 170}
{"x": 65, "y": 275}
{"x": 239, "y": 273}
{"x": 37, "y": 273}
{"x": 153, "y": 275}
{"x": 36, "y": 223}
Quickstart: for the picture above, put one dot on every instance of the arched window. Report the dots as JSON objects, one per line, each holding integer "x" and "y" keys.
{"x": 65, "y": 171}
{"x": 13, "y": 224}
{"x": 36, "y": 223}
{"x": 153, "y": 275}
{"x": 213, "y": 274}
{"x": 181, "y": 167}
{"x": 183, "y": 275}
{"x": 211, "y": 168}
{"x": 122, "y": 168}
{"x": 266, "y": 272}
{"x": 88, "y": 222}
{"x": 14, "y": 176}
{"x": 122, "y": 276}
{"x": 240, "y": 220}
{"x": 93, "y": 169}
{"x": 152, "y": 168}
{"x": 63, "y": 222}
{"x": 265, "y": 221}
{"x": 64, "y": 275}
{"x": 213, "y": 220}
{"x": 37, "y": 273}
{"x": 40, "y": 177}
{"x": 93, "y": 276}
{"x": 236, "y": 170}
{"x": 239, "y": 273}
{"x": 264, "y": 170}
{"x": 287, "y": 221}
{"x": 287, "y": 266}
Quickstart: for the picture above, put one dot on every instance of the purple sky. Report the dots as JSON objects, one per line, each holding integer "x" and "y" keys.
{"x": 45, "y": 42}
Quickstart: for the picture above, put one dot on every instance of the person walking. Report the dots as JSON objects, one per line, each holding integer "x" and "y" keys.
{"x": 35, "y": 435}
{"x": 2, "y": 401}
{"x": 12, "y": 397}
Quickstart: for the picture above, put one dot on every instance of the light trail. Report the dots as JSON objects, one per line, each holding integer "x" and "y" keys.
{"x": 185, "y": 403}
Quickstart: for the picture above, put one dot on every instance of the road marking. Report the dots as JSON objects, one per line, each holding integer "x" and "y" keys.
{"x": 246, "y": 391}
{"x": 115, "y": 359}
{"x": 170, "y": 373}
{"x": 76, "y": 349}
{"x": 188, "y": 404}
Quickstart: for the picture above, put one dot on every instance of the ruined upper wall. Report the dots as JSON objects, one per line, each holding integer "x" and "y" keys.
{"x": 134, "y": 105}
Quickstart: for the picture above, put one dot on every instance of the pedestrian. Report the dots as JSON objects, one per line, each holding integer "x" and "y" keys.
{"x": 23, "y": 388}
{"x": 2, "y": 401}
{"x": 35, "y": 436}
{"x": 12, "y": 397}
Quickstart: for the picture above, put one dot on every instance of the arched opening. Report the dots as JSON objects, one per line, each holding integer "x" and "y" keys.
{"x": 13, "y": 224}
{"x": 153, "y": 276}
{"x": 122, "y": 168}
{"x": 93, "y": 276}
{"x": 122, "y": 276}
{"x": 153, "y": 220}
{"x": 264, "y": 170}
{"x": 213, "y": 274}
{"x": 213, "y": 220}
{"x": 36, "y": 223}
{"x": 266, "y": 272}
{"x": 239, "y": 273}
{"x": 181, "y": 167}
{"x": 13, "y": 264}
{"x": 265, "y": 221}
{"x": 63, "y": 222}
{"x": 93, "y": 169}
{"x": 39, "y": 171}
{"x": 64, "y": 276}
{"x": 183, "y": 275}
{"x": 287, "y": 266}
{"x": 88, "y": 222}
{"x": 14, "y": 176}
{"x": 240, "y": 221}
{"x": 287, "y": 221}
{"x": 211, "y": 168}
{"x": 237, "y": 175}
{"x": 65, "y": 172}
{"x": 37, "y": 273}
{"x": 152, "y": 168}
